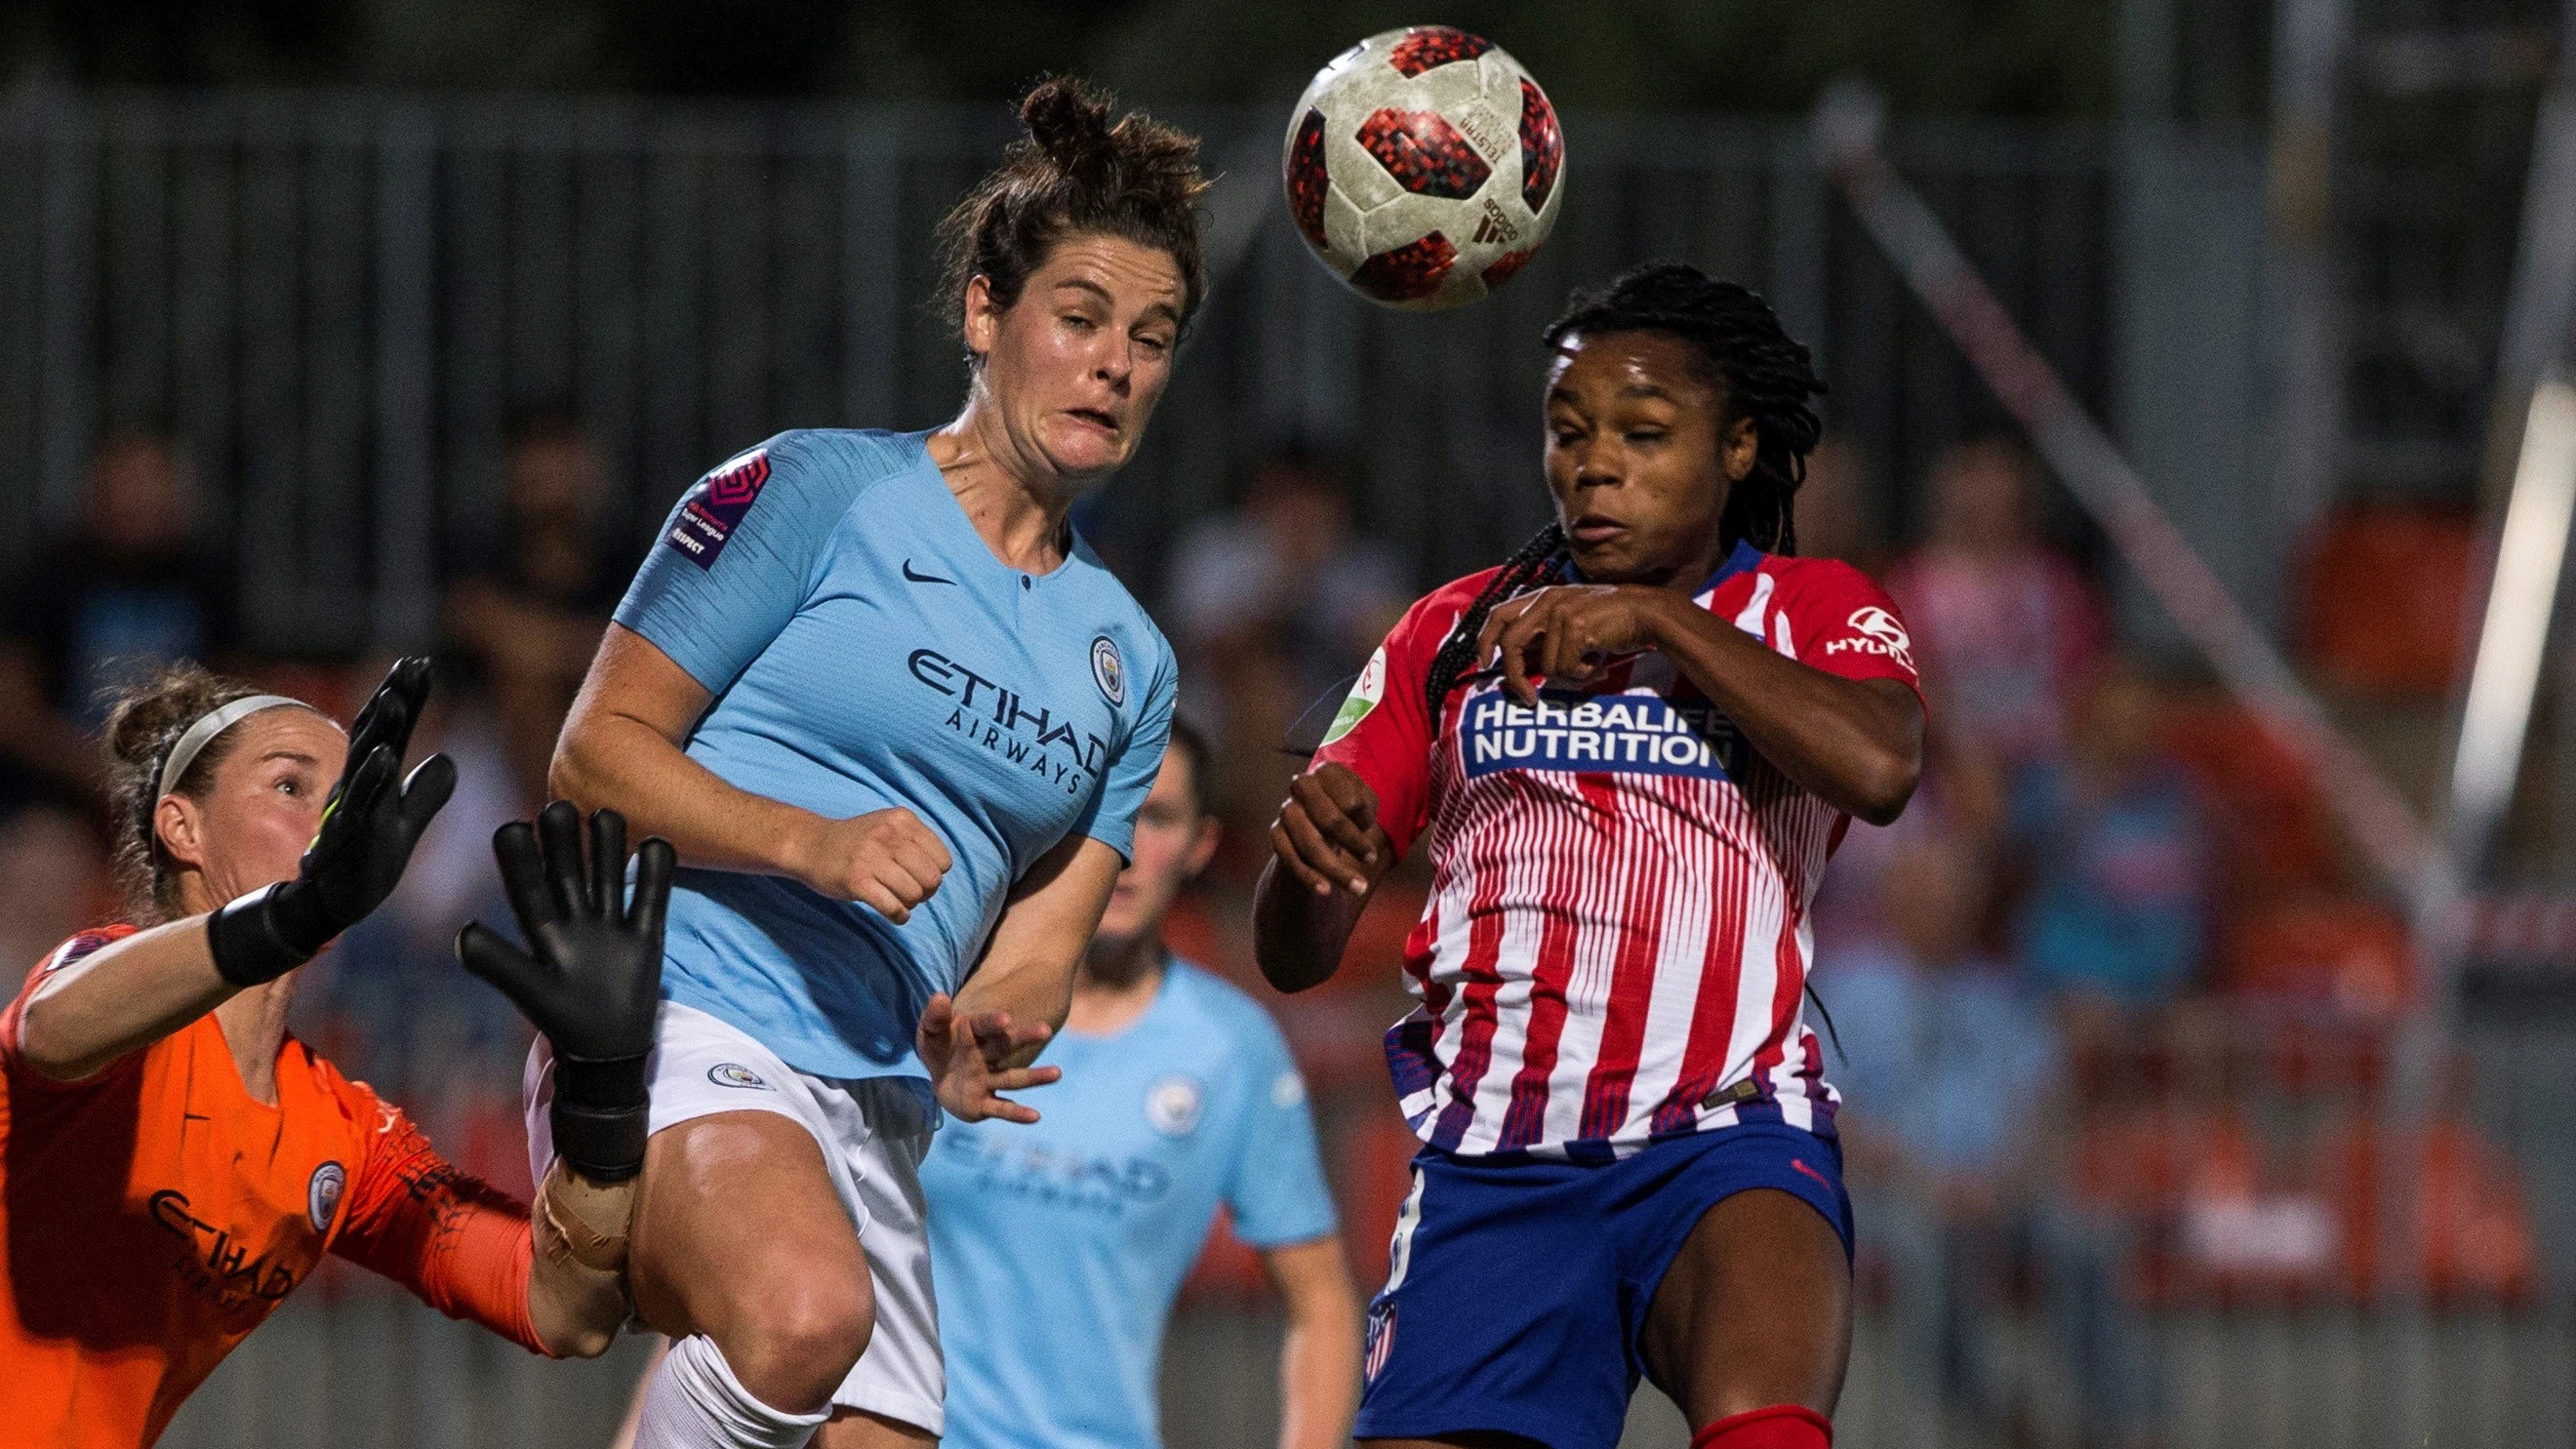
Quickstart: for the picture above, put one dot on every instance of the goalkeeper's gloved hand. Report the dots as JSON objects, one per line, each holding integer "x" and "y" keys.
{"x": 591, "y": 978}
{"x": 369, "y": 826}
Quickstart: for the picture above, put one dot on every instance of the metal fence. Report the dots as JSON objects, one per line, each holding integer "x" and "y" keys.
{"x": 2181, "y": 1260}
{"x": 339, "y": 301}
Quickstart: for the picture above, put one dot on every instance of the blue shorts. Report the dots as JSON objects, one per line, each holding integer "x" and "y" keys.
{"x": 1518, "y": 1289}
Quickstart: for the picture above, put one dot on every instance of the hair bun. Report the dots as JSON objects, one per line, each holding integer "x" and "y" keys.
{"x": 1081, "y": 169}
{"x": 1069, "y": 121}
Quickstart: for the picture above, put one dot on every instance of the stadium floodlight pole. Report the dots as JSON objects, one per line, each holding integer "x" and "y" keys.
{"x": 2495, "y": 719}
{"x": 2377, "y": 819}
{"x": 2531, "y": 554}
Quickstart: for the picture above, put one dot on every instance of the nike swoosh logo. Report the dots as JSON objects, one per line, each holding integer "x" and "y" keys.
{"x": 923, "y": 578}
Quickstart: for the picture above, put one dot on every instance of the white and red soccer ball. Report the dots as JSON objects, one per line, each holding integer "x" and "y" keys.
{"x": 1424, "y": 166}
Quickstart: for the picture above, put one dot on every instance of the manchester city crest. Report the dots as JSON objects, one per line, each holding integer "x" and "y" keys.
{"x": 1172, "y": 1105}
{"x": 322, "y": 1195}
{"x": 1108, "y": 670}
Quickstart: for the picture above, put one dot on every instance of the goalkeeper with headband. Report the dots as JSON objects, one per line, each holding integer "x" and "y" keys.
{"x": 176, "y": 1162}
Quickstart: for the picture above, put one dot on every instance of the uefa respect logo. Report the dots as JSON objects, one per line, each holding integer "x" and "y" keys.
{"x": 1363, "y": 698}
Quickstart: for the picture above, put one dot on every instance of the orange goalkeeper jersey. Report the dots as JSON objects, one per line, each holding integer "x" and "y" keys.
{"x": 151, "y": 1216}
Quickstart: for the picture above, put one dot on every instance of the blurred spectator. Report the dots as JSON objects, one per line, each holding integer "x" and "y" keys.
{"x": 1276, "y": 606}
{"x": 2115, "y": 851}
{"x": 530, "y": 593}
{"x": 1286, "y": 575}
{"x": 1952, "y": 1068}
{"x": 2004, "y": 627}
{"x": 2272, "y": 835}
{"x": 132, "y": 585}
{"x": 1946, "y": 1052}
{"x": 56, "y": 873}
{"x": 1836, "y": 516}
{"x": 1964, "y": 797}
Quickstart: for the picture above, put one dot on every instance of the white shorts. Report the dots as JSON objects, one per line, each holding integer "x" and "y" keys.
{"x": 873, "y": 1132}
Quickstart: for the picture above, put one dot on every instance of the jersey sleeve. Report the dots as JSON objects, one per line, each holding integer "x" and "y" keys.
{"x": 1128, "y": 776}
{"x": 1383, "y": 731}
{"x": 1276, "y": 1189}
{"x": 736, "y": 558}
{"x": 12, "y": 1017}
{"x": 460, "y": 1245}
{"x": 1842, "y": 623}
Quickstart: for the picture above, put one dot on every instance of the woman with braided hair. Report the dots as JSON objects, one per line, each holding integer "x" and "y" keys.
{"x": 1634, "y": 747}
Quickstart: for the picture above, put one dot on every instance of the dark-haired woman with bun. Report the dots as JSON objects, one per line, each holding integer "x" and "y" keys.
{"x": 1634, "y": 746}
{"x": 898, "y": 719}
{"x": 176, "y": 1163}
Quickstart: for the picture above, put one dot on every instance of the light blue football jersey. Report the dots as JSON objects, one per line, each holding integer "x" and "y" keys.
{"x": 866, "y": 650}
{"x": 1057, "y": 1247}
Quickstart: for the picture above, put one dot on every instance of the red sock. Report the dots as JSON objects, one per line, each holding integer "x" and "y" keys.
{"x": 1781, "y": 1426}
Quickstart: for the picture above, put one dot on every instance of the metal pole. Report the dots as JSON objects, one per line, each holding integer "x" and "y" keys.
{"x": 68, "y": 128}
{"x": 2379, "y": 821}
{"x": 405, "y": 405}
{"x": 2307, "y": 51}
{"x": 2534, "y": 434}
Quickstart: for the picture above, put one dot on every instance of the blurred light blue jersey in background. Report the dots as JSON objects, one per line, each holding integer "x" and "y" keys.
{"x": 1058, "y": 1247}
{"x": 866, "y": 649}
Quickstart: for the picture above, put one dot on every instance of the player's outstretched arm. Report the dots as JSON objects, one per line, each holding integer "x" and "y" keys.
{"x": 590, "y": 979}
{"x": 622, "y": 749}
{"x": 1328, "y": 851}
{"x": 981, "y": 1045}
{"x": 133, "y": 993}
{"x": 1319, "y": 1359}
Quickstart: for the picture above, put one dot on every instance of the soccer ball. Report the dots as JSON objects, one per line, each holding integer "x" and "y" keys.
{"x": 1424, "y": 167}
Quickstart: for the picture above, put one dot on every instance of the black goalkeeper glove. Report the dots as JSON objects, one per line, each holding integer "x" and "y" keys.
{"x": 369, "y": 826}
{"x": 594, "y": 980}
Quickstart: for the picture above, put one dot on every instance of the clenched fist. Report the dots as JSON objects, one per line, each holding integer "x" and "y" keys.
{"x": 1327, "y": 834}
{"x": 886, "y": 859}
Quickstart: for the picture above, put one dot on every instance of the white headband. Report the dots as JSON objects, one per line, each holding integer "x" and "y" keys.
{"x": 210, "y": 724}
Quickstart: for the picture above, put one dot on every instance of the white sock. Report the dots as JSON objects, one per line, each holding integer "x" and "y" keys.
{"x": 695, "y": 1402}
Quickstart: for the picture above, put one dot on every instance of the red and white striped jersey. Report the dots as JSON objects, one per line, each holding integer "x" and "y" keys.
{"x": 1616, "y": 945}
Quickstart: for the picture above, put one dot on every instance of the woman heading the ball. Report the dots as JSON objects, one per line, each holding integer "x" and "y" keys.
{"x": 1634, "y": 746}
{"x": 898, "y": 720}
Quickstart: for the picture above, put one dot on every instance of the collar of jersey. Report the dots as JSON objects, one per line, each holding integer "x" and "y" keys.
{"x": 1745, "y": 558}
{"x": 1173, "y": 965}
{"x": 1079, "y": 549}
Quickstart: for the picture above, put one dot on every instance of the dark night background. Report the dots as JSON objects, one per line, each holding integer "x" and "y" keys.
{"x": 2019, "y": 58}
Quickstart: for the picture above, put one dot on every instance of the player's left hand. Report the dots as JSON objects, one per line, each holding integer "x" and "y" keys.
{"x": 590, "y": 977}
{"x": 1566, "y": 633}
{"x": 969, "y": 1055}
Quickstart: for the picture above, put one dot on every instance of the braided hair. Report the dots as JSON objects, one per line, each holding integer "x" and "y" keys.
{"x": 1738, "y": 345}
{"x": 1545, "y": 556}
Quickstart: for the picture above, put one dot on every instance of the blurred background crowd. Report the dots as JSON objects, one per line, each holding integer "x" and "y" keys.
{"x": 2109, "y": 1005}
{"x": 292, "y": 379}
